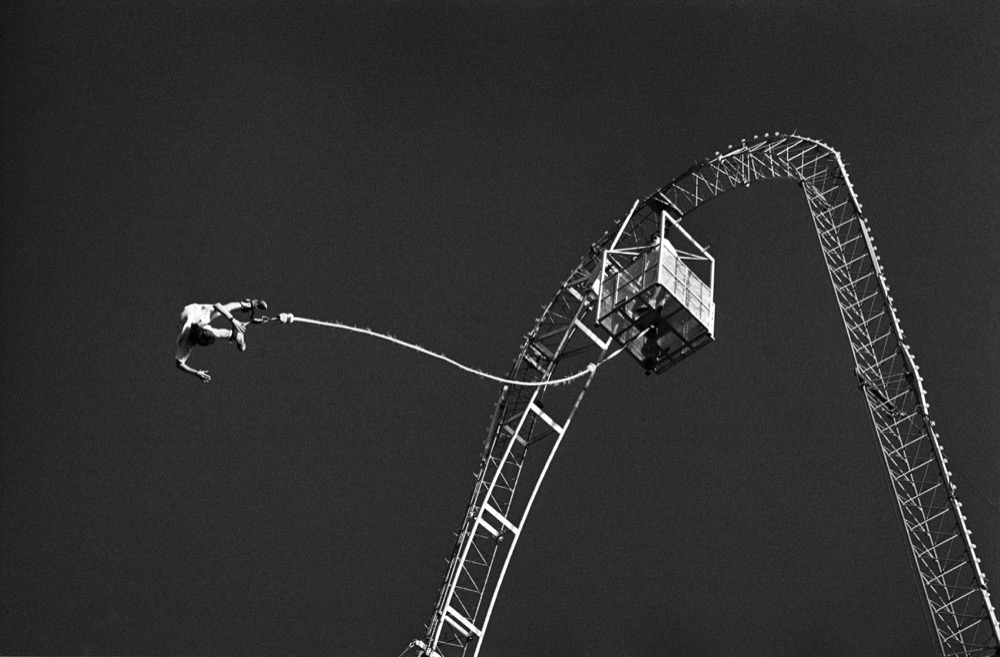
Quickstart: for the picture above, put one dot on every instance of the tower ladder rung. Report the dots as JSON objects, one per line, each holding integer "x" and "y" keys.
{"x": 542, "y": 350}
{"x": 960, "y": 631}
{"x": 857, "y": 304}
{"x": 835, "y": 228}
{"x": 603, "y": 344}
{"x": 510, "y": 433}
{"x": 904, "y": 418}
{"x": 891, "y": 430}
{"x": 847, "y": 264}
{"x": 961, "y": 562}
{"x": 926, "y": 522}
{"x": 534, "y": 363}
{"x": 513, "y": 420}
{"x": 952, "y": 602}
{"x": 499, "y": 516}
{"x": 488, "y": 527}
{"x": 460, "y": 622}
{"x": 923, "y": 553}
{"x": 549, "y": 421}
{"x": 910, "y": 500}
{"x": 913, "y": 469}
{"x": 430, "y": 652}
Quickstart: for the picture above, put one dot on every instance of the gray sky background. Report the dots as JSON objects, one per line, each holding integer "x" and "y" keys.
{"x": 434, "y": 171}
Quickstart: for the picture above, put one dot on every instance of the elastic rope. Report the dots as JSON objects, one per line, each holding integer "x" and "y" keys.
{"x": 288, "y": 318}
{"x": 977, "y": 488}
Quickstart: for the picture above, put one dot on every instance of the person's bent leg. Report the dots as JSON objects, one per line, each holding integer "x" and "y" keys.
{"x": 231, "y": 306}
{"x": 227, "y": 334}
{"x": 217, "y": 333}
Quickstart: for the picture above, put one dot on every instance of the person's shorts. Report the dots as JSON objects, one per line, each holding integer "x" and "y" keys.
{"x": 201, "y": 337}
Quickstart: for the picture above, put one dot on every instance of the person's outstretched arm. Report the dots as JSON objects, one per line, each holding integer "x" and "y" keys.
{"x": 201, "y": 374}
{"x": 224, "y": 310}
{"x": 184, "y": 348}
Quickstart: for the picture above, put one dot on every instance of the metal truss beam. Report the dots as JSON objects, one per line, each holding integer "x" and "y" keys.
{"x": 963, "y": 618}
{"x": 529, "y": 423}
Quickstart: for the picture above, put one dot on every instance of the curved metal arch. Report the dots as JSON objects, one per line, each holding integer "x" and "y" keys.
{"x": 963, "y": 618}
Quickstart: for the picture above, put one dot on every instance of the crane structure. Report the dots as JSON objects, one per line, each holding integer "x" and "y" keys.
{"x": 618, "y": 297}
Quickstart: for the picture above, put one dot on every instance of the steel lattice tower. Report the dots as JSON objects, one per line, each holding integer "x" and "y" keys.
{"x": 525, "y": 431}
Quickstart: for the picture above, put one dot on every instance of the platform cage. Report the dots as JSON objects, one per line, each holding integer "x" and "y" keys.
{"x": 657, "y": 300}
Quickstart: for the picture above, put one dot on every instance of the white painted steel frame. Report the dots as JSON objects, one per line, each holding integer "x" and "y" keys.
{"x": 520, "y": 422}
{"x": 954, "y": 587}
{"x": 963, "y": 619}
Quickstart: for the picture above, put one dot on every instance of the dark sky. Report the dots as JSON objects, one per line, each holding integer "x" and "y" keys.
{"x": 435, "y": 171}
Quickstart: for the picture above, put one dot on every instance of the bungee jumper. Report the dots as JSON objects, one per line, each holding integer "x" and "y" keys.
{"x": 196, "y": 329}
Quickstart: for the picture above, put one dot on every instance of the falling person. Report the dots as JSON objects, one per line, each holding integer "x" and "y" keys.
{"x": 196, "y": 330}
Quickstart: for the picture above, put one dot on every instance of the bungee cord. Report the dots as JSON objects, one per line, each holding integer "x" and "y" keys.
{"x": 289, "y": 318}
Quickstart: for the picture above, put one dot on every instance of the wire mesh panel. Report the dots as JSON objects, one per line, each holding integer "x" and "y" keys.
{"x": 681, "y": 282}
{"x": 652, "y": 303}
